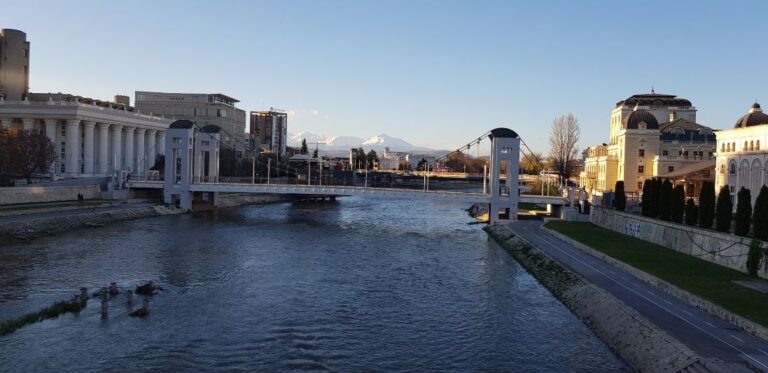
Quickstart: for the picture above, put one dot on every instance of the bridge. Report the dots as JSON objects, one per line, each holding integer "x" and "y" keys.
{"x": 192, "y": 165}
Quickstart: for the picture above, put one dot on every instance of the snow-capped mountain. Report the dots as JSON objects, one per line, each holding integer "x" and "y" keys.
{"x": 334, "y": 143}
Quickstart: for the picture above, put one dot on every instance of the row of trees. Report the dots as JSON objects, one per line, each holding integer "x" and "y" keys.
{"x": 362, "y": 160}
{"x": 662, "y": 200}
{"x": 24, "y": 153}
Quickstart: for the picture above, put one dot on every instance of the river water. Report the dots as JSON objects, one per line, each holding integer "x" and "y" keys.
{"x": 356, "y": 285}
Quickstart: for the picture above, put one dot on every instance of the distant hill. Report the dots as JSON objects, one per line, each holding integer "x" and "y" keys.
{"x": 344, "y": 143}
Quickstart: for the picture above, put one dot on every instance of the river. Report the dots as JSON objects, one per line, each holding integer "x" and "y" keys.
{"x": 356, "y": 285}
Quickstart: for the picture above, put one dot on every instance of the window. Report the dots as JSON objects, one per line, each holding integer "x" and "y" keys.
{"x": 722, "y": 169}
{"x": 722, "y": 148}
{"x": 670, "y": 168}
{"x": 732, "y": 169}
{"x": 640, "y": 169}
{"x": 745, "y": 145}
{"x": 685, "y": 154}
{"x": 205, "y": 143}
{"x": 177, "y": 140}
{"x": 665, "y": 152}
{"x": 642, "y": 152}
{"x": 733, "y": 146}
{"x": 751, "y": 145}
{"x": 711, "y": 154}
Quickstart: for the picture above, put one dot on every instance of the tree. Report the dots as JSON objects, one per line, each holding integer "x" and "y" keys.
{"x": 532, "y": 163}
{"x": 314, "y": 153}
{"x": 677, "y": 204}
{"x": 743, "y": 212}
{"x": 760, "y": 215}
{"x": 25, "y": 153}
{"x": 707, "y": 205}
{"x": 303, "y": 147}
{"x": 159, "y": 163}
{"x": 362, "y": 159}
{"x": 723, "y": 210}
{"x": 563, "y": 142}
{"x": 371, "y": 159}
{"x": 755, "y": 257}
{"x": 645, "y": 203}
{"x": 420, "y": 166}
{"x": 620, "y": 201}
{"x": 665, "y": 200}
{"x": 691, "y": 212}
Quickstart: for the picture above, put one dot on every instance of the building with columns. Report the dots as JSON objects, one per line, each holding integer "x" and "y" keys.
{"x": 90, "y": 137}
{"x": 651, "y": 135}
{"x": 742, "y": 154}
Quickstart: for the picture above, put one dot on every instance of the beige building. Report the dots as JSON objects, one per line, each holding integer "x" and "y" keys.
{"x": 201, "y": 109}
{"x": 742, "y": 154}
{"x": 14, "y": 65}
{"x": 650, "y": 135}
{"x": 269, "y": 131}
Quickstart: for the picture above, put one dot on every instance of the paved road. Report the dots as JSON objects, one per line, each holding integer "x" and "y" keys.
{"x": 53, "y": 214}
{"x": 707, "y": 335}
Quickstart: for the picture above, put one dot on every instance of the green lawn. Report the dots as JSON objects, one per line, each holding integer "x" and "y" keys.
{"x": 707, "y": 280}
{"x": 531, "y": 206}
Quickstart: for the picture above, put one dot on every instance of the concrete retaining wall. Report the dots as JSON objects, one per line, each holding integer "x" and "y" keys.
{"x": 34, "y": 194}
{"x": 720, "y": 248}
{"x": 642, "y": 345}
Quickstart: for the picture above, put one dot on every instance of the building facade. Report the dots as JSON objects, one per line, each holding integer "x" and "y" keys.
{"x": 650, "y": 135}
{"x": 742, "y": 157}
{"x": 269, "y": 131}
{"x": 201, "y": 109}
{"x": 90, "y": 137}
{"x": 14, "y": 65}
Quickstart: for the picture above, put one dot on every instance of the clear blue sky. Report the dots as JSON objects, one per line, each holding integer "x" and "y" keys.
{"x": 436, "y": 73}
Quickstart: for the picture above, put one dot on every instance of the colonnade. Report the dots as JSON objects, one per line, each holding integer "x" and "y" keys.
{"x": 90, "y": 148}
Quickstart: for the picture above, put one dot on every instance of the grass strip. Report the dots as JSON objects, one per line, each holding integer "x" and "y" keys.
{"x": 704, "y": 279}
{"x": 51, "y": 312}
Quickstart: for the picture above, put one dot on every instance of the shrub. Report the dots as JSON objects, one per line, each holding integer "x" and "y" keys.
{"x": 665, "y": 200}
{"x": 691, "y": 212}
{"x": 723, "y": 210}
{"x": 677, "y": 204}
{"x": 707, "y": 204}
{"x": 743, "y": 212}
{"x": 620, "y": 201}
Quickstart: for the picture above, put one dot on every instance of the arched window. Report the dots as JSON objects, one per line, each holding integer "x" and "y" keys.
{"x": 732, "y": 169}
{"x": 751, "y": 145}
{"x": 733, "y": 146}
{"x": 745, "y": 146}
{"x": 722, "y": 148}
{"x": 722, "y": 168}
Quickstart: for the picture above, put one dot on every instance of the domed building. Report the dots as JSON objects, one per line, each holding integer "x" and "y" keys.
{"x": 742, "y": 157}
{"x": 651, "y": 135}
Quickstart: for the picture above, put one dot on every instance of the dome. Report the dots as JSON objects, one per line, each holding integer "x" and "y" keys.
{"x": 210, "y": 129}
{"x": 182, "y": 124}
{"x": 753, "y": 118}
{"x": 654, "y": 99}
{"x": 633, "y": 120}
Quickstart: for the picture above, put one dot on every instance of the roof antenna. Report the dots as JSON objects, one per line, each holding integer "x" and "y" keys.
{"x": 652, "y": 90}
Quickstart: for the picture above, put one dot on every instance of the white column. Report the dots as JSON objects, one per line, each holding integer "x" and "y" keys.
{"x": 88, "y": 148}
{"x": 161, "y": 142}
{"x": 50, "y": 132}
{"x": 73, "y": 147}
{"x": 116, "y": 155}
{"x": 29, "y": 124}
{"x": 151, "y": 142}
{"x": 103, "y": 148}
{"x": 128, "y": 163}
{"x": 141, "y": 156}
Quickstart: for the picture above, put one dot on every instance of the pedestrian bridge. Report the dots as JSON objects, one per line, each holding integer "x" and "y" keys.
{"x": 343, "y": 190}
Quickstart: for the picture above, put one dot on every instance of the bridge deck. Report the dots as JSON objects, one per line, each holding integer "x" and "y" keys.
{"x": 340, "y": 190}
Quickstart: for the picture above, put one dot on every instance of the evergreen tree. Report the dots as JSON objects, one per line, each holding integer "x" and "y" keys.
{"x": 303, "y": 146}
{"x": 665, "y": 200}
{"x": 677, "y": 204}
{"x": 707, "y": 204}
{"x": 644, "y": 202}
{"x": 691, "y": 212}
{"x": 723, "y": 210}
{"x": 743, "y": 212}
{"x": 620, "y": 202}
{"x": 760, "y": 215}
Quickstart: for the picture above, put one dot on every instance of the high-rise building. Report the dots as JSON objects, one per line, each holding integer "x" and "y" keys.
{"x": 269, "y": 131}
{"x": 14, "y": 65}
{"x": 201, "y": 109}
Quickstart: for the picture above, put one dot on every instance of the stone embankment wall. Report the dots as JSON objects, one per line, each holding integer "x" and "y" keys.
{"x": 639, "y": 342}
{"x": 720, "y": 248}
{"x": 34, "y": 227}
{"x": 34, "y": 194}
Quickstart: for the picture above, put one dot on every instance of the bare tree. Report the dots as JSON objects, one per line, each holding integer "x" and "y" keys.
{"x": 532, "y": 163}
{"x": 563, "y": 142}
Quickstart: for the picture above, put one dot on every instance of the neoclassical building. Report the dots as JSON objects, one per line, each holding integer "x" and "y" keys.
{"x": 650, "y": 135}
{"x": 90, "y": 137}
{"x": 742, "y": 157}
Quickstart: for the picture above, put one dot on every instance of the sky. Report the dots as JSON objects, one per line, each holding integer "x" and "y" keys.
{"x": 435, "y": 73}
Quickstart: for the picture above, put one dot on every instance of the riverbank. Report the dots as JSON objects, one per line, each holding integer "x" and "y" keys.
{"x": 641, "y": 344}
{"x": 29, "y": 227}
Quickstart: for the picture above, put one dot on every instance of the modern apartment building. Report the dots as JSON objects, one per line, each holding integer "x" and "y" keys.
{"x": 14, "y": 65}
{"x": 199, "y": 108}
{"x": 269, "y": 131}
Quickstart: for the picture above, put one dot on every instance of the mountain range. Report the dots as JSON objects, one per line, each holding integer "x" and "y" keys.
{"x": 344, "y": 143}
